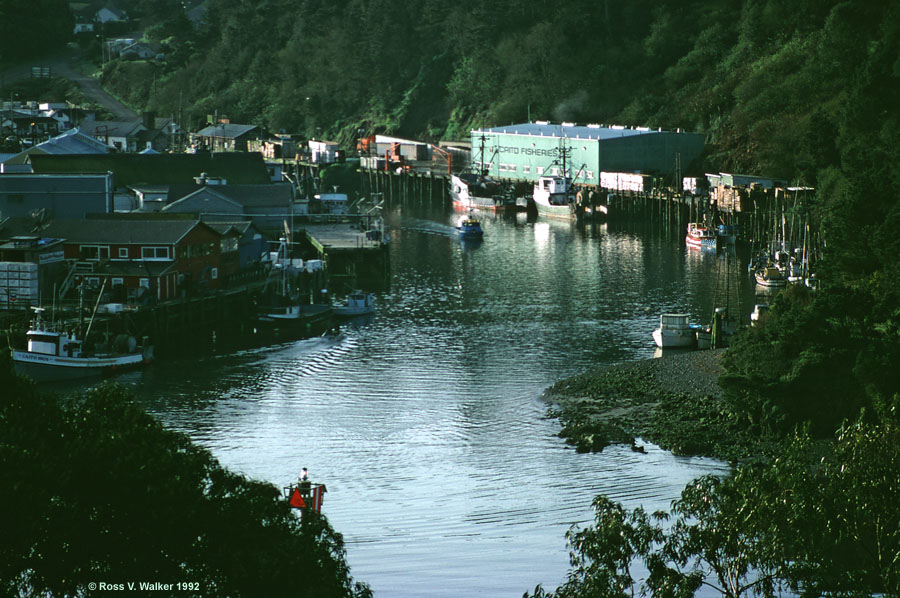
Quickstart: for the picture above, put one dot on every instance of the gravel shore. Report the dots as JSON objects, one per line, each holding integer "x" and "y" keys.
{"x": 674, "y": 401}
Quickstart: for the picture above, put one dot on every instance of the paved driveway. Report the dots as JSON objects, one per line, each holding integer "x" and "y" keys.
{"x": 61, "y": 66}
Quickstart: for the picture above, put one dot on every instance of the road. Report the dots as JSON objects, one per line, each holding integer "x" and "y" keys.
{"x": 61, "y": 66}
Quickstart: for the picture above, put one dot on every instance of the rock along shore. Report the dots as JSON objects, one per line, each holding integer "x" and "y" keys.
{"x": 674, "y": 401}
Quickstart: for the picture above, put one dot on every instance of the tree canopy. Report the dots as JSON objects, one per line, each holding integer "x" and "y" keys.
{"x": 96, "y": 490}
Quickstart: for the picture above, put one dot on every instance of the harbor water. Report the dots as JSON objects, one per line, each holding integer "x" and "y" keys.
{"x": 426, "y": 421}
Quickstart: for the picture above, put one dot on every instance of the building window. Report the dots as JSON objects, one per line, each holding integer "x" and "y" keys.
{"x": 94, "y": 253}
{"x": 589, "y": 174}
{"x": 144, "y": 282}
{"x": 214, "y": 273}
{"x": 526, "y": 168}
{"x": 540, "y": 170}
{"x": 154, "y": 253}
{"x": 118, "y": 280}
{"x": 123, "y": 252}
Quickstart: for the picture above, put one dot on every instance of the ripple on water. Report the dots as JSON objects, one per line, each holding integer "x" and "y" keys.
{"x": 443, "y": 473}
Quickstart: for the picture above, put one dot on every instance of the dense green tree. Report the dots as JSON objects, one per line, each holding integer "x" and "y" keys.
{"x": 33, "y": 28}
{"x": 96, "y": 490}
{"x": 820, "y": 520}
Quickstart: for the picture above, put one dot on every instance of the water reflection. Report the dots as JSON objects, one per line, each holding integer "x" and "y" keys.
{"x": 426, "y": 422}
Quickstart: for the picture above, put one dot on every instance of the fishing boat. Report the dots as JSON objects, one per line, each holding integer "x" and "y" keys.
{"x": 469, "y": 228}
{"x": 770, "y": 277}
{"x": 357, "y": 304}
{"x": 54, "y": 354}
{"x": 700, "y": 236}
{"x": 282, "y": 306}
{"x": 675, "y": 331}
{"x": 554, "y": 197}
{"x": 473, "y": 191}
{"x": 476, "y": 190}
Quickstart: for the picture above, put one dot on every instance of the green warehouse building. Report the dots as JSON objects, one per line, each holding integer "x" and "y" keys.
{"x": 527, "y": 151}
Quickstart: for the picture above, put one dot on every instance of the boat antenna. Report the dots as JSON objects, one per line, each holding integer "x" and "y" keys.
{"x": 94, "y": 313}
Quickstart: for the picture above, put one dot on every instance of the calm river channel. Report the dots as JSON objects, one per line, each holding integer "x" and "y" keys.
{"x": 426, "y": 422}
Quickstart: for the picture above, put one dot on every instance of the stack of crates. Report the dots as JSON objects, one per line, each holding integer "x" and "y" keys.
{"x": 18, "y": 285}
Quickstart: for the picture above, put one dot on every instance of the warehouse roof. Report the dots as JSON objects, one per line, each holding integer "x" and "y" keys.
{"x": 570, "y": 130}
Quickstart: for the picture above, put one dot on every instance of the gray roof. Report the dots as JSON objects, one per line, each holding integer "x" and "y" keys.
{"x": 230, "y": 130}
{"x": 112, "y": 128}
{"x": 542, "y": 129}
{"x": 73, "y": 141}
{"x": 113, "y": 229}
{"x": 240, "y": 227}
{"x": 205, "y": 193}
{"x": 248, "y": 196}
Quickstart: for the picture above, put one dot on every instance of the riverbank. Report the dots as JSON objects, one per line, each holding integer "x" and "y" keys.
{"x": 673, "y": 401}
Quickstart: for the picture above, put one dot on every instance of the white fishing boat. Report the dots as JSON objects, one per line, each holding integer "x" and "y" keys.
{"x": 282, "y": 305}
{"x": 770, "y": 277}
{"x": 675, "y": 331}
{"x": 53, "y": 354}
{"x": 357, "y": 304}
{"x": 476, "y": 190}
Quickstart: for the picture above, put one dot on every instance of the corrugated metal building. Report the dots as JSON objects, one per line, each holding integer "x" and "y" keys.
{"x": 527, "y": 151}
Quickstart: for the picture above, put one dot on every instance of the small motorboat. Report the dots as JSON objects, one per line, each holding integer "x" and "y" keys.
{"x": 470, "y": 228}
{"x": 675, "y": 331}
{"x": 357, "y": 304}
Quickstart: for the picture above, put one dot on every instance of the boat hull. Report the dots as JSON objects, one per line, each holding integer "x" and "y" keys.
{"x": 294, "y": 315}
{"x": 41, "y": 367}
{"x": 567, "y": 211}
{"x": 674, "y": 339}
{"x": 489, "y": 197}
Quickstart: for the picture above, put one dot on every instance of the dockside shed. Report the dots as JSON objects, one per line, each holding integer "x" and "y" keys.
{"x": 527, "y": 151}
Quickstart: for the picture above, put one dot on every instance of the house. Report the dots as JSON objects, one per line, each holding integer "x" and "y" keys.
{"x": 150, "y": 198}
{"x": 119, "y": 135}
{"x": 226, "y": 137}
{"x": 323, "y": 152}
{"x": 110, "y": 13}
{"x": 251, "y": 242}
{"x": 139, "y": 50}
{"x": 167, "y": 257}
{"x": 71, "y": 142}
{"x": 269, "y": 206}
{"x": 136, "y": 135}
{"x": 29, "y": 125}
{"x": 48, "y": 196}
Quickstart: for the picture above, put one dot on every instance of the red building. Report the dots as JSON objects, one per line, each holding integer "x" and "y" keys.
{"x": 139, "y": 254}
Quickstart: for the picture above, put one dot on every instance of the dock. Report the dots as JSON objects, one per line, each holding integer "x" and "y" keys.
{"x": 350, "y": 250}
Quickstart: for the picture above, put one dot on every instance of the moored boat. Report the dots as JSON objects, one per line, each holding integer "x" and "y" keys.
{"x": 770, "y": 277}
{"x": 281, "y": 305}
{"x": 675, "y": 331}
{"x": 357, "y": 304}
{"x": 471, "y": 191}
{"x": 699, "y": 236}
{"x": 53, "y": 354}
{"x": 554, "y": 197}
